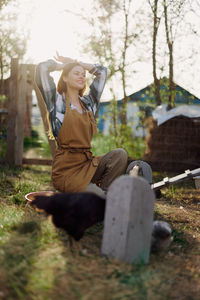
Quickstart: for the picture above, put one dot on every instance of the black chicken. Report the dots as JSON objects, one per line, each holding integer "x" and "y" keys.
{"x": 73, "y": 212}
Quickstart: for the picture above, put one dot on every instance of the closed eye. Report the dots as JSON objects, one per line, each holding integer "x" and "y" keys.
{"x": 77, "y": 73}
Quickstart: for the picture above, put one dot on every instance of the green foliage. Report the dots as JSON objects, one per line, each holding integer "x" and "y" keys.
{"x": 125, "y": 139}
{"x": 121, "y": 135}
{"x": 4, "y": 3}
{"x": 134, "y": 146}
{"x": 102, "y": 144}
{"x": 13, "y": 39}
{"x": 178, "y": 92}
{"x": 102, "y": 44}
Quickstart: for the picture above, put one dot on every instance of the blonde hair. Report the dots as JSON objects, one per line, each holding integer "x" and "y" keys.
{"x": 49, "y": 131}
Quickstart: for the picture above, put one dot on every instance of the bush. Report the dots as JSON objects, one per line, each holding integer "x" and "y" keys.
{"x": 102, "y": 144}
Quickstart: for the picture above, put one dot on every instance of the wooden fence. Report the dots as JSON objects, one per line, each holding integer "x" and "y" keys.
{"x": 19, "y": 86}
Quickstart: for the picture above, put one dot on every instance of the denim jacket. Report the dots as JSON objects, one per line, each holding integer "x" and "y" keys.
{"x": 55, "y": 102}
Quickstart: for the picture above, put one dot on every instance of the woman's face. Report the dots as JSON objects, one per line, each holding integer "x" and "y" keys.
{"x": 75, "y": 78}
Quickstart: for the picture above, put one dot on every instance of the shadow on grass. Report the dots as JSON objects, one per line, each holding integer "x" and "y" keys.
{"x": 38, "y": 169}
{"x": 17, "y": 258}
{"x": 10, "y": 170}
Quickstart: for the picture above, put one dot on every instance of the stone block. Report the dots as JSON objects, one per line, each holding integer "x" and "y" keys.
{"x": 128, "y": 220}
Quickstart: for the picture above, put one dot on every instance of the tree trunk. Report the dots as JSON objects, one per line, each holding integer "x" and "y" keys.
{"x": 125, "y": 98}
{"x": 155, "y": 31}
{"x": 171, "y": 63}
{"x": 1, "y": 71}
{"x": 114, "y": 114}
{"x": 171, "y": 77}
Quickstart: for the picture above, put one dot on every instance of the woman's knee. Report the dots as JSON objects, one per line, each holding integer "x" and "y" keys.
{"x": 121, "y": 154}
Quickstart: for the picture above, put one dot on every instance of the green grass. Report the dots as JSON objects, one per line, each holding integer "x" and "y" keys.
{"x": 36, "y": 261}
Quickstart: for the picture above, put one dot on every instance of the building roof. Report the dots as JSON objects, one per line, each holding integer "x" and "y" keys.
{"x": 182, "y": 95}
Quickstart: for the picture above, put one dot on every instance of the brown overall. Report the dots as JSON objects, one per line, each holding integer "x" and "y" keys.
{"x": 74, "y": 164}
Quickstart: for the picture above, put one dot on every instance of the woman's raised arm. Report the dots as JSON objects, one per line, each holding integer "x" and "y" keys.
{"x": 46, "y": 83}
{"x": 47, "y": 88}
{"x": 96, "y": 87}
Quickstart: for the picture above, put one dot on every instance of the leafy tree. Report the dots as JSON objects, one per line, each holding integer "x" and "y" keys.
{"x": 169, "y": 18}
{"x": 112, "y": 45}
{"x": 4, "y": 3}
{"x": 101, "y": 45}
{"x": 12, "y": 41}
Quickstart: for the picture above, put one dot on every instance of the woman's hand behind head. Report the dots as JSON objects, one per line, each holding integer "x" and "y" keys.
{"x": 62, "y": 59}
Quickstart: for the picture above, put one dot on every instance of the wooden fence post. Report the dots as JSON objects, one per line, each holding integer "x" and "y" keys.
{"x": 12, "y": 113}
{"x": 20, "y": 94}
{"x": 21, "y": 105}
{"x": 28, "y": 113}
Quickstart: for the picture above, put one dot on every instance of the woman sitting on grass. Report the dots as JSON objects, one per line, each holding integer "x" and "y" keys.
{"x": 72, "y": 118}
